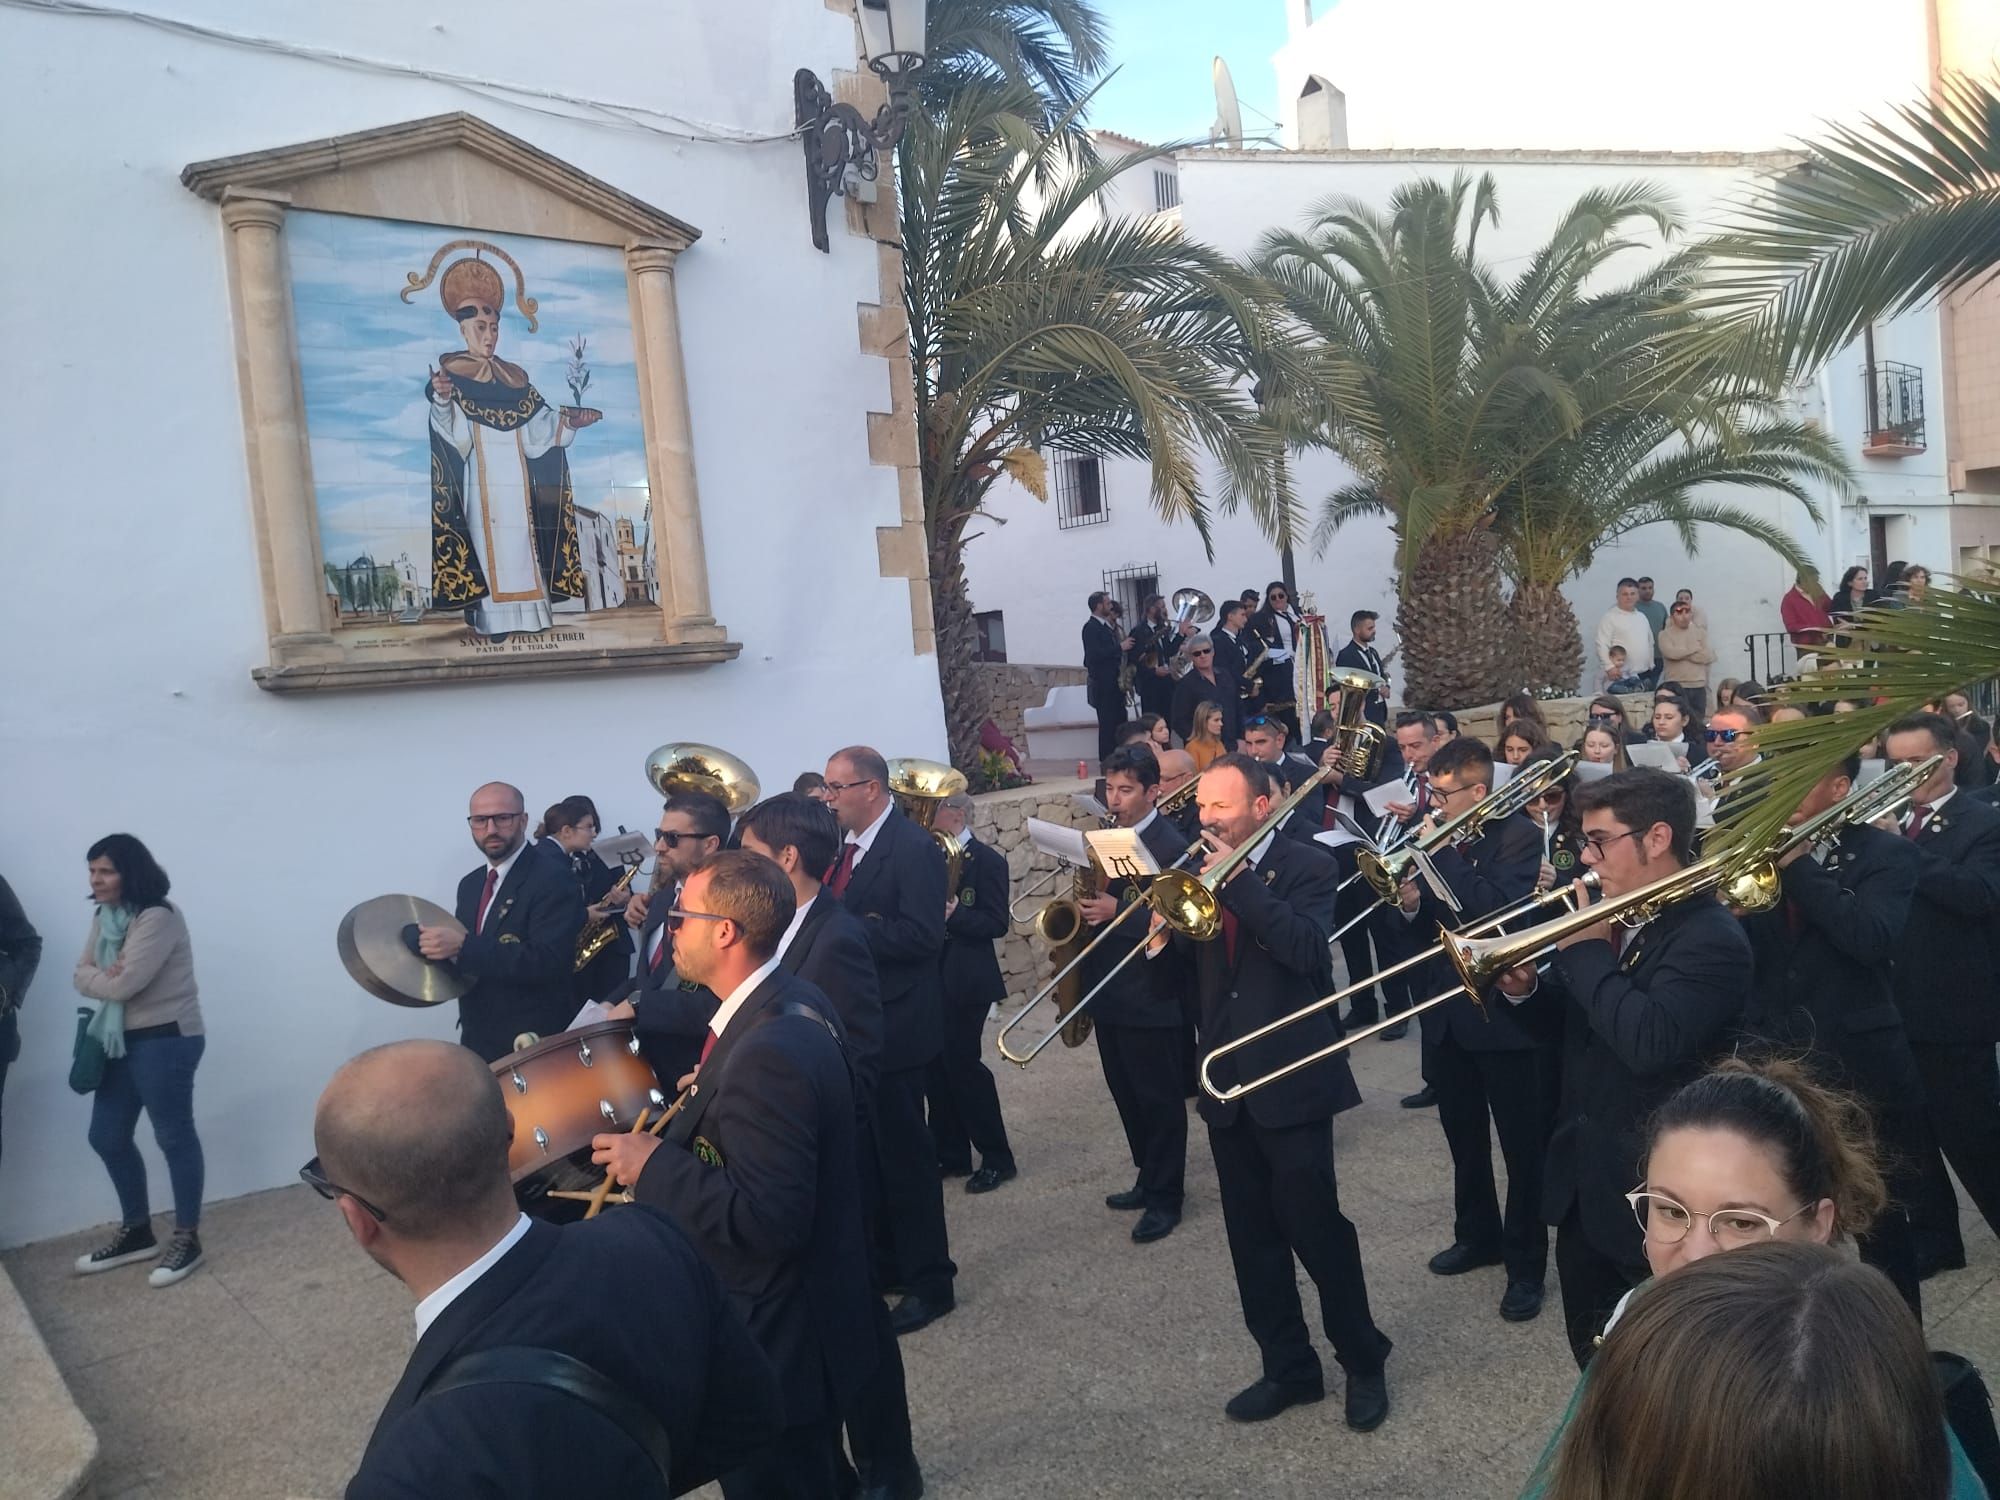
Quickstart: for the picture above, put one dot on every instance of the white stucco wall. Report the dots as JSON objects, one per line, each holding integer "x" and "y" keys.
{"x": 1707, "y": 75}
{"x": 1039, "y": 575}
{"x": 135, "y": 614}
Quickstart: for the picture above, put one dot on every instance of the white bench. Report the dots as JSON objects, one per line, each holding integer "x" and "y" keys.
{"x": 1064, "y": 727}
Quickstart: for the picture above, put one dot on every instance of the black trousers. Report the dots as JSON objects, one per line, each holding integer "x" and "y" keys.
{"x": 1592, "y": 1281}
{"x": 1142, "y": 1068}
{"x": 1280, "y": 1200}
{"x": 1110, "y": 714}
{"x": 1517, "y": 1090}
{"x": 964, "y": 1103}
{"x": 798, "y": 1464}
{"x": 1392, "y": 944}
{"x": 877, "y": 1418}
{"x": 912, "y": 1247}
{"x": 1357, "y": 943}
{"x": 1962, "y": 1095}
{"x": 1904, "y": 1134}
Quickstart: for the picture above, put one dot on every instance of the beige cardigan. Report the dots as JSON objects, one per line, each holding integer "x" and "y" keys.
{"x": 154, "y": 974}
{"x": 1685, "y": 655}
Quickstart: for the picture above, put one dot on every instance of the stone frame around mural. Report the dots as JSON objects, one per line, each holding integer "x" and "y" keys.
{"x": 458, "y": 170}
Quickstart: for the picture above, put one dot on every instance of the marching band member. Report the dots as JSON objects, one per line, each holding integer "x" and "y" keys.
{"x": 672, "y": 1011}
{"x": 1230, "y": 655}
{"x": 1274, "y": 1148}
{"x": 1104, "y": 648}
{"x": 1274, "y": 630}
{"x": 1360, "y": 653}
{"x": 567, "y": 831}
{"x": 1641, "y": 1011}
{"x": 1416, "y": 741}
{"x": 521, "y": 915}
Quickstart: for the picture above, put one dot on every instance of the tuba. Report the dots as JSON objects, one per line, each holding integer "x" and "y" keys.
{"x": 919, "y": 787}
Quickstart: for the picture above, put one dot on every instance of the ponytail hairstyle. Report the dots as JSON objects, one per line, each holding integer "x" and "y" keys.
{"x": 567, "y": 814}
{"x": 1822, "y": 1139}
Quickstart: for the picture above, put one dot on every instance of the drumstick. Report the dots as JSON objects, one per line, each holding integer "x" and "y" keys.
{"x": 604, "y": 1187}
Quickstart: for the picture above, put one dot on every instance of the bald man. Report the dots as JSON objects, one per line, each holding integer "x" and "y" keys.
{"x": 521, "y": 918}
{"x": 412, "y": 1141}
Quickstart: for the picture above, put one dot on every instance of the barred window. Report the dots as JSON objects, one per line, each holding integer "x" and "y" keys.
{"x": 992, "y": 636}
{"x": 1079, "y": 490}
{"x": 1166, "y": 191}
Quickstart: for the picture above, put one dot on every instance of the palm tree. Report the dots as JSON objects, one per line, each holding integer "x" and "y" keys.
{"x": 1032, "y": 326}
{"x": 1511, "y": 429}
{"x": 1878, "y": 218}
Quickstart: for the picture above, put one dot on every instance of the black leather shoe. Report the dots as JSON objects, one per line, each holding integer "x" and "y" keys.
{"x": 1130, "y": 1198}
{"x": 986, "y": 1179}
{"x": 1155, "y": 1224}
{"x": 908, "y": 1484}
{"x": 1265, "y": 1399}
{"x": 1931, "y": 1263}
{"x": 1367, "y": 1401}
{"x": 1423, "y": 1098}
{"x": 1393, "y": 1033}
{"x": 1459, "y": 1259}
{"x": 1523, "y": 1302}
{"x": 915, "y": 1312}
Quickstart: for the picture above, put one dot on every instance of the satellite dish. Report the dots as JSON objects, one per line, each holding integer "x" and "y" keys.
{"x": 1228, "y": 126}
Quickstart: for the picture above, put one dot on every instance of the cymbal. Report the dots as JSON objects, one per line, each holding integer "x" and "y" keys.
{"x": 377, "y": 946}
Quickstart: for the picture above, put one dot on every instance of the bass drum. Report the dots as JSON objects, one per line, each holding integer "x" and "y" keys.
{"x": 561, "y": 1092}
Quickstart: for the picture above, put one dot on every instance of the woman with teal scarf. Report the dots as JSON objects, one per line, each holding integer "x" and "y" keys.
{"x": 138, "y": 968}
{"x": 1757, "y": 1157}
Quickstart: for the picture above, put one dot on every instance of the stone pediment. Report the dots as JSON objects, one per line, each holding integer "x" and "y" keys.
{"x": 452, "y": 169}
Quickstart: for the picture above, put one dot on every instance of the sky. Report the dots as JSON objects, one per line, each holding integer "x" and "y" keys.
{"x": 1162, "y": 49}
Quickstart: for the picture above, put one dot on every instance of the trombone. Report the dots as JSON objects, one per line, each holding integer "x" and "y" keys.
{"x": 1188, "y": 903}
{"x": 1480, "y": 955}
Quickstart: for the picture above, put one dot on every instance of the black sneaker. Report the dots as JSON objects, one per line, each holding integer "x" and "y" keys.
{"x": 133, "y": 1242}
{"x": 182, "y": 1257}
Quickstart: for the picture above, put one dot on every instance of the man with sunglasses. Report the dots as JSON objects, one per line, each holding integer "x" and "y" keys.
{"x": 670, "y": 1012}
{"x": 891, "y": 874}
{"x": 412, "y": 1141}
{"x": 1206, "y": 682}
{"x": 521, "y": 914}
{"x": 1485, "y": 1061}
{"x": 1640, "y": 1012}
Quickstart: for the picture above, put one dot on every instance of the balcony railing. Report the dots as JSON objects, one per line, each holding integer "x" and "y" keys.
{"x": 1895, "y": 410}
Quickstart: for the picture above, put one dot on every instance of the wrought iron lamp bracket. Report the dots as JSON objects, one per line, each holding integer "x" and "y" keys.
{"x": 839, "y": 140}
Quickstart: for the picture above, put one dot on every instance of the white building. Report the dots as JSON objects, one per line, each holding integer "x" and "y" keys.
{"x": 1361, "y": 74}
{"x": 128, "y": 690}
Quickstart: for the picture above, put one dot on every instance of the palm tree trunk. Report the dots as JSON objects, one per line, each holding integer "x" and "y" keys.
{"x": 1544, "y": 629}
{"x": 1452, "y": 621}
{"x": 967, "y": 701}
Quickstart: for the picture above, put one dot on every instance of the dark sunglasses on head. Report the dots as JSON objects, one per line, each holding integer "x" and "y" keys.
{"x": 315, "y": 1179}
{"x": 1724, "y": 736}
{"x": 1257, "y": 721}
{"x": 1606, "y": 718}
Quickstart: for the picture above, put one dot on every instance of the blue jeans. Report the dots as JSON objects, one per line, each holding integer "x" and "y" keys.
{"x": 155, "y": 1074}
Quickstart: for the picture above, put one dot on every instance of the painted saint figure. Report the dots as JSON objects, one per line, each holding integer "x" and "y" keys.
{"x": 503, "y": 515}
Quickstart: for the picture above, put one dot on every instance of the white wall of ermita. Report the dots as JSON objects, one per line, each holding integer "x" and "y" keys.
{"x": 125, "y": 693}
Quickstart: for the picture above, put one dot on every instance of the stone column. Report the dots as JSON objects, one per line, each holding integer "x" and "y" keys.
{"x": 267, "y": 368}
{"x": 680, "y": 555}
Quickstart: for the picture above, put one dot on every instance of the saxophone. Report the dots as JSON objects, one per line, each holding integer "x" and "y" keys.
{"x": 597, "y": 936}
{"x": 1060, "y": 924}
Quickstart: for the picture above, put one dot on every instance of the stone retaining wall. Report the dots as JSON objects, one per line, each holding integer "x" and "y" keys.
{"x": 1017, "y": 686}
{"x": 1000, "y": 819}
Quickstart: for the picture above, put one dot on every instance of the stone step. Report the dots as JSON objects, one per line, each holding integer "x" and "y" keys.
{"x": 51, "y": 1447}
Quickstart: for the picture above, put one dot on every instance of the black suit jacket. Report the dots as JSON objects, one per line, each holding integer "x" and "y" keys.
{"x": 669, "y": 1015}
{"x": 1229, "y": 656}
{"x": 1494, "y": 871}
{"x": 1366, "y": 659}
{"x": 20, "y": 950}
{"x": 1827, "y": 986}
{"x": 1948, "y": 967}
{"x": 830, "y": 953}
{"x": 1102, "y": 661}
{"x": 677, "y": 1345}
{"x": 759, "y": 1171}
{"x": 1146, "y": 992}
{"x": 1284, "y": 912}
{"x": 521, "y": 963}
{"x": 898, "y": 891}
{"x": 970, "y": 970}
{"x": 1309, "y": 817}
{"x": 1634, "y": 1030}
{"x": 1226, "y": 693}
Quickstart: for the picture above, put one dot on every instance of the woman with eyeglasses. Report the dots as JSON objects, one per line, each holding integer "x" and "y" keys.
{"x": 1749, "y": 1154}
{"x": 138, "y": 969}
{"x": 566, "y": 833}
{"x": 1554, "y": 815}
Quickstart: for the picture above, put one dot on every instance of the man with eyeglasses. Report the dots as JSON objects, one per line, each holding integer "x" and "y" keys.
{"x": 520, "y": 919}
{"x": 1206, "y": 682}
{"x": 1485, "y": 1061}
{"x": 1823, "y": 985}
{"x": 1266, "y": 740}
{"x": 1640, "y": 1012}
{"x": 891, "y": 874}
{"x": 1416, "y": 741}
{"x": 412, "y": 1140}
{"x": 670, "y": 1012}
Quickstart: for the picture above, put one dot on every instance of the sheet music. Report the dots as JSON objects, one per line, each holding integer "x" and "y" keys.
{"x": 1379, "y": 798}
{"x": 1121, "y": 853}
{"x": 1661, "y": 757}
{"x": 1087, "y": 802}
{"x": 1871, "y": 770}
{"x": 1502, "y": 774}
{"x": 619, "y": 850}
{"x": 1590, "y": 770}
{"x": 1435, "y": 881}
{"x": 1060, "y": 840}
{"x": 1345, "y": 830}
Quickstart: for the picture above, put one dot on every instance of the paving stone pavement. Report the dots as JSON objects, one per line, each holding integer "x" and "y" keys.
{"x": 1077, "y": 1363}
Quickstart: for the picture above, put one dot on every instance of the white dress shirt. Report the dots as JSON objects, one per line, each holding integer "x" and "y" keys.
{"x": 726, "y": 1011}
{"x": 444, "y": 1296}
{"x": 1910, "y": 823}
{"x": 864, "y": 840}
{"x": 791, "y": 931}
{"x": 500, "y": 874}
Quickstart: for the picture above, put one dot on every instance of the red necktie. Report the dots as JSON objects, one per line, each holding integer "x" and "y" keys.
{"x": 1919, "y": 814}
{"x": 843, "y": 868}
{"x": 659, "y": 960}
{"x": 1229, "y": 934}
{"x": 1795, "y": 920}
{"x": 708, "y": 1047}
{"x": 1424, "y": 791}
{"x": 485, "y": 899}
